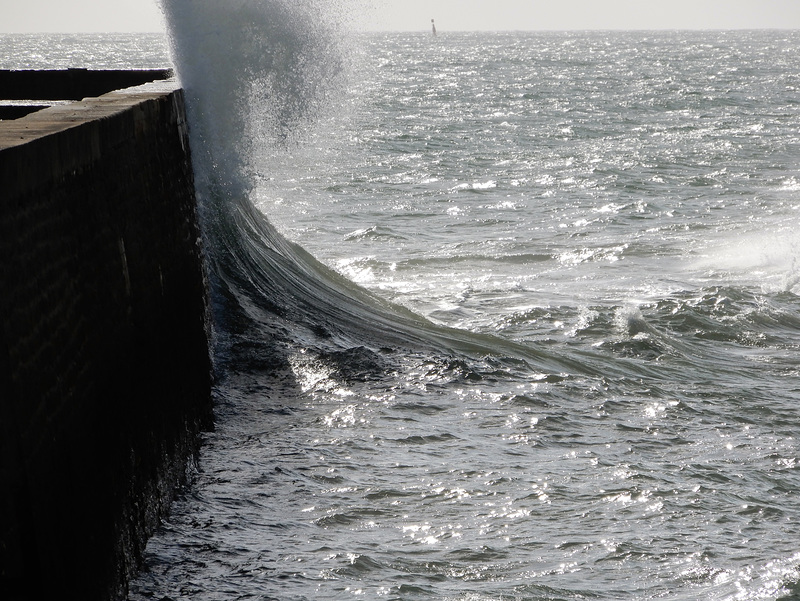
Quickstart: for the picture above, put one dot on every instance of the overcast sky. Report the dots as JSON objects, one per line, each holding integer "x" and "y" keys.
{"x": 410, "y": 15}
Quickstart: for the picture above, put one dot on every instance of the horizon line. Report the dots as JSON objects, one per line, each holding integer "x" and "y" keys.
{"x": 445, "y": 31}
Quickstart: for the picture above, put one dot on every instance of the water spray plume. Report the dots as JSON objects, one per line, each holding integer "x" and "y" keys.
{"x": 257, "y": 74}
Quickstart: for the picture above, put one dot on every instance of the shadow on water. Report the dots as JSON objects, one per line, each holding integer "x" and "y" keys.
{"x": 793, "y": 595}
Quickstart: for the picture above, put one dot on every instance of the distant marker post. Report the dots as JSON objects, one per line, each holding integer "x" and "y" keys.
{"x": 433, "y": 27}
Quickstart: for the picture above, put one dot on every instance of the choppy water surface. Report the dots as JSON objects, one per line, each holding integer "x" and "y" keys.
{"x": 624, "y": 203}
{"x": 83, "y": 51}
{"x": 612, "y": 219}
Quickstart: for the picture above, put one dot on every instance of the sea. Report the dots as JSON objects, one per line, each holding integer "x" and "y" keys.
{"x": 497, "y": 315}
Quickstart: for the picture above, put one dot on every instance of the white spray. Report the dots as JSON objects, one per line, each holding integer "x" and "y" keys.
{"x": 257, "y": 73}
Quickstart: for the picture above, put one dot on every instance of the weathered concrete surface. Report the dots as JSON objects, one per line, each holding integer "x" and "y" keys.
{"x": 104, "y": 359}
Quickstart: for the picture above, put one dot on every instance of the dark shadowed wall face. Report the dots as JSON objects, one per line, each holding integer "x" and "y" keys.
{"x": 104, "y": 360}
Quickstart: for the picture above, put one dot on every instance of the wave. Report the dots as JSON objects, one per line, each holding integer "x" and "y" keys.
{"x": 660, "y": 407}
{"x": 257, "y": 77}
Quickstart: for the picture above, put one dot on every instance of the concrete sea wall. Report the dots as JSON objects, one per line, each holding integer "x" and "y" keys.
{"x": 105, "y": 374}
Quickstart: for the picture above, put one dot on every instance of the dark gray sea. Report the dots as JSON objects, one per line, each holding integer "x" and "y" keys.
{"x": 547, "y": 344}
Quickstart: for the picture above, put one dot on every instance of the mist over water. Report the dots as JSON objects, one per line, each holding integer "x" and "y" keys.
{"x": 609, "y": 222}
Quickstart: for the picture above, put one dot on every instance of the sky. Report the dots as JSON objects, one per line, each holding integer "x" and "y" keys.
{"x": 36, "y": 16}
